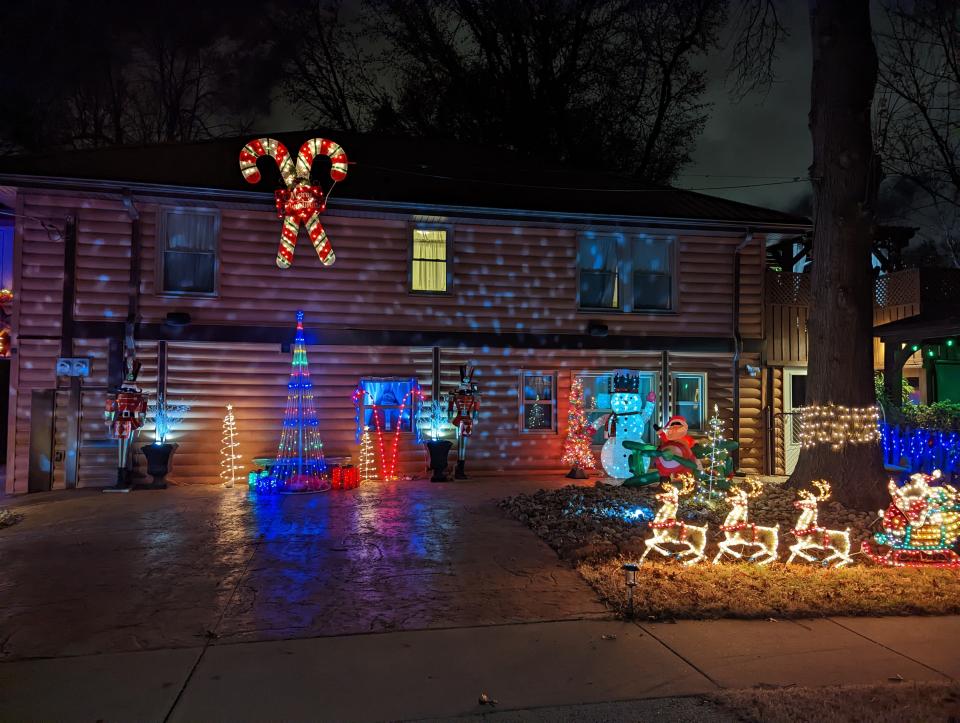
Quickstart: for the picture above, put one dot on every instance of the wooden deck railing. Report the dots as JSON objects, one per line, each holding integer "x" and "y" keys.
{"x": 899, "y": 295}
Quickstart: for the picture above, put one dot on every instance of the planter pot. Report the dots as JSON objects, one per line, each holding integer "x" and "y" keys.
{"x": 158, "y": 463}
{"x": 577, "y": 473}
{"x": 439, "y": 451}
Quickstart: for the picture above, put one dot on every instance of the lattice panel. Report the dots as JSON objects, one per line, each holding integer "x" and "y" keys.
{"x": 788, "y": 288}
{"x": 898, "y": 289}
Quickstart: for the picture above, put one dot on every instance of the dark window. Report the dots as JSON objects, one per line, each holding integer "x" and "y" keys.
{"x": 621, "y": 272}
{"x": 189, "y": 248}
{"x": 690, "y": 399}
{"x": 538, "y": 400}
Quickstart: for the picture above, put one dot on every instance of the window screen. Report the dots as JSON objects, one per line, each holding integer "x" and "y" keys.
{"x": 387, "y": 396}
{"x": 537, "y": 404}
{"x": 599, "y": 279}
{"x": 689, "y": 399}
{"x": 428, "y": 272}
{"x": 189, "y": 244}
{"x": 652, "y": 282}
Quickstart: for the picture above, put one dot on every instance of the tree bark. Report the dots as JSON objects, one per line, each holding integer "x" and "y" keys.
{"x": 845, "y": 177}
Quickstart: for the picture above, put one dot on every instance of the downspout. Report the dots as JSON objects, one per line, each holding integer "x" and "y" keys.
{"x": 133, "y": 290}
{"x": 737, "y": 341}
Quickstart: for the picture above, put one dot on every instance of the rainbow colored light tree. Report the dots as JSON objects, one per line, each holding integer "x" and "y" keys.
{"x": 300, "y": 466}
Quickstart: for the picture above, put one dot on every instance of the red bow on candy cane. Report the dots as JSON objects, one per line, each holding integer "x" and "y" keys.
{"x": 301, "y": 202}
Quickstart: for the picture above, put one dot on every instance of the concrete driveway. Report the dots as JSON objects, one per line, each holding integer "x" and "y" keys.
{"x": 86, "y": 572}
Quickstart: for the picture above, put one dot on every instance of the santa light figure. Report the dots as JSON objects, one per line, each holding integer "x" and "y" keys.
{"x": 463, "y": 408}
{"x": 124, "y": 414}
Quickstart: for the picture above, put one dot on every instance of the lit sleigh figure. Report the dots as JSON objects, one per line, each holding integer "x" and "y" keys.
{"x": 301, "y": 202}
{"x": 921, "y": 525}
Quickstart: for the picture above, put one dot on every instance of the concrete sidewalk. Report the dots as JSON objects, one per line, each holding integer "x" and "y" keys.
{"x": 442, "y": 672}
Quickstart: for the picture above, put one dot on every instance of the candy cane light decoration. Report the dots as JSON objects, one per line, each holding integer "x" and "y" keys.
{"x": 301, "y": 201}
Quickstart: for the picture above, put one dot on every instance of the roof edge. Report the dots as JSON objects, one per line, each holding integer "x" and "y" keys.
{"x": 266, "y": 198}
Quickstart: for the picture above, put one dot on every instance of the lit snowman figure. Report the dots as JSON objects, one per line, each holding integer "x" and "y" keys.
{"x": 627, "y": 422}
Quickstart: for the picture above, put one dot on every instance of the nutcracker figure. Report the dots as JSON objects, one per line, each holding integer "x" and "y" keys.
{"x": 124, "y": 414}
{"x": 463, "y": 408}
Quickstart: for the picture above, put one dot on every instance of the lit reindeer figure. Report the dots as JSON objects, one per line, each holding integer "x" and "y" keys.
{"x": 667, "y": 529}
{"x": 810, "y": 536}
{"x": 740, "y": 532}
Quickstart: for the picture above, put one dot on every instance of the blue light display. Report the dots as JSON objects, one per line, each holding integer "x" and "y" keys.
{"x": 920, "y": 450}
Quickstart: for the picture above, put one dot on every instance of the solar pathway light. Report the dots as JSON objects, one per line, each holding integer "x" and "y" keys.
{"x": 630, "y": 577}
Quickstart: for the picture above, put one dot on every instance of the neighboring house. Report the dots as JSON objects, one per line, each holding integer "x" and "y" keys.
{"x": 445, "y": 255}
{"x": 916, "y": 333}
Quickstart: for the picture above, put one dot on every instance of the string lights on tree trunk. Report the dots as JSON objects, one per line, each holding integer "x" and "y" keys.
{"x": 837, "y": 425}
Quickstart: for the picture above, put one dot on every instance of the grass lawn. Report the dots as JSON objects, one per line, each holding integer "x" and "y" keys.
{"x": 670, "y": 591}
{"x": 893, "y": 703}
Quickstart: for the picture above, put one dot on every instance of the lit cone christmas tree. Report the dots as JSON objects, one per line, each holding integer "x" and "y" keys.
{"x": 367, "y": 466}
{"x": 230, "y": 469}
{"x": 300, "y": 466}
{"x": 576, "y": 447}
{"x": 717, "y": 463}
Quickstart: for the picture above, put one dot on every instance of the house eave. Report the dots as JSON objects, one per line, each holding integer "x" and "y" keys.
{"x": 262, "y": 199}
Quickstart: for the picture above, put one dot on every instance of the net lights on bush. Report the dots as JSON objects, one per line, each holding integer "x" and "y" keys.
{"x": 837, "y": 425}
{"x": 230, "y": 469}
{"x": 666, "y": 529}
{"x": 738, "y": 531}
{"x": 300, "y": 466}
{"x": 921, "y": 525}
{"x": 811, "y": 536}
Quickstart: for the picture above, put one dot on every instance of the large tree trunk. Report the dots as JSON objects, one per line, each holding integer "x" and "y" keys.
{"x": 844, "y": 175}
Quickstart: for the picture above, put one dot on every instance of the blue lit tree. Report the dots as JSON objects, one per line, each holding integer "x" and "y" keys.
{"x": 300, "y": 466}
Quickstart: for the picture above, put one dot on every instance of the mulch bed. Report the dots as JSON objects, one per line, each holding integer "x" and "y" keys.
{"x": 586, "y": 523}
{"x": 600, "y": 528}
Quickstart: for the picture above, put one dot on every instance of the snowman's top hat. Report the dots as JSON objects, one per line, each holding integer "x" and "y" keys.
{"x": 625, "y": 381}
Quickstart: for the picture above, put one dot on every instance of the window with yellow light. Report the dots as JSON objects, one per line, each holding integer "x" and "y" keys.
{"x": 428, "y": 261}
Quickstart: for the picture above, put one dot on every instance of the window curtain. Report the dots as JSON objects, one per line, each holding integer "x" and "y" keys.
{"x": 191, "y": 232}
{"x": 190, "y": 254}
{"x": 598, "y": 271}
{"x": 429, "y": 260}
{"x": 388, "y": 395}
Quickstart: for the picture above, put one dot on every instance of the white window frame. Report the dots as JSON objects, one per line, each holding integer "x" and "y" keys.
{"x": 701, "y": 427}
{"x": 522, "y": 419}
{"x": 624, "y": 275}
{"x": 162, "y": 214}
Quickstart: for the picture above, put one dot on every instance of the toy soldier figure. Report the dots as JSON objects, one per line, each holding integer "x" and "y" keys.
{"x": 125, "y": 412}
{"x": 463, "y": 408}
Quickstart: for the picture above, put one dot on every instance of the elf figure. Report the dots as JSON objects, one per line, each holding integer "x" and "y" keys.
{"x": 463, "y": 408}
{"x": 124, "y": 414}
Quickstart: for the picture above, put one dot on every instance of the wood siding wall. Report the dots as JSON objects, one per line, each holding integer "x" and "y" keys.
{"x": 506, "y": 278}
{"x": 253, "y": 378}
